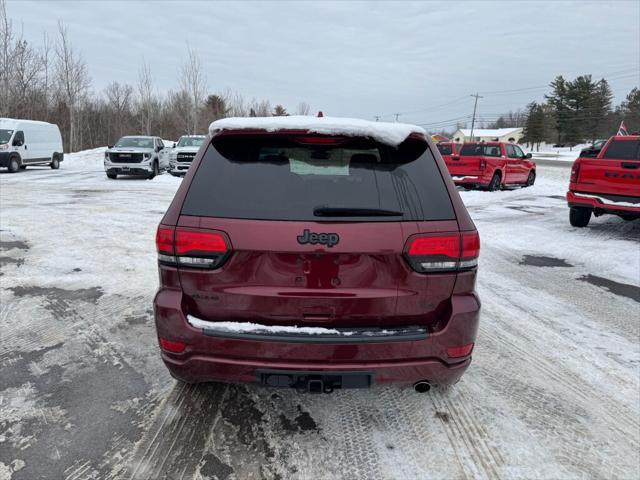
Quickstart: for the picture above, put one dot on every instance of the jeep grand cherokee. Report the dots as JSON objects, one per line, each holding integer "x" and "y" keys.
{"x": 317, "y": 253}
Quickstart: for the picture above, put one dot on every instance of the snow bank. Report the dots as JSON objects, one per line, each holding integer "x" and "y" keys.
{"x": 384, "y": 132}
{"x": 85, "y": 159}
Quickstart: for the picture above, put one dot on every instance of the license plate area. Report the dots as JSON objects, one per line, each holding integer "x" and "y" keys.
{"x": 314, "y": 381}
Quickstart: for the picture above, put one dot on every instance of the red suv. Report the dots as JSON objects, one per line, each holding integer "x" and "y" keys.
{"x": 607, "y": 184}
{"x": 491, "y": 165}
{"x": 317, "y": 253}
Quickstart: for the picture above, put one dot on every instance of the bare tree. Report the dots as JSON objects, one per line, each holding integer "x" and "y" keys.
{"x": 194, "y": 83}
{"x": 236, "y": 103}
{"x": 27, "y": 65}
{"x": 146, "y": 100}
{"x": 6, "y": 48}
{"x": 180, "y": 105}
{"x": 72, "y": 79}
{"x": 303, "y": 108}
{"x": 118, "y": 109}
{"x": 45, "y": 61}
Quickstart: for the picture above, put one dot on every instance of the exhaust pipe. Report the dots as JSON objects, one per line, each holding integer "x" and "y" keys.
{"x": 423, "y": 386}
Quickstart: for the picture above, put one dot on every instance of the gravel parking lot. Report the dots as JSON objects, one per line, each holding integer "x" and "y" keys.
{"x": 553, "y": 392}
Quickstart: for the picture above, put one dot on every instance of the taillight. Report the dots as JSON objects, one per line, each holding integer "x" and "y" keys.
{"x": 164, "y": 240}
{"x": 444, "y": 253}
{"x": 575, "y": 171}
{"x": 470, "y": 250}
{"x": 172, "y": 346}
{"x": 191, "y": 248}
{"x": 461, "y": 351}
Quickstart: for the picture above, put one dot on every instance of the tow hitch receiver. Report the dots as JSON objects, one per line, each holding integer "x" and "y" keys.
{"x": 314, "y": 381}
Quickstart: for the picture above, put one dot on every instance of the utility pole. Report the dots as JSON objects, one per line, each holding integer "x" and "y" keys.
{"x": 473, "y": 120}
{"x": 397, "y": 115}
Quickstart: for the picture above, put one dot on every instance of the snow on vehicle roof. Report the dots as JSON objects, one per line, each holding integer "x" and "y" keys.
{"x": 384, "y": 132}
{"x": 13, "y": 121}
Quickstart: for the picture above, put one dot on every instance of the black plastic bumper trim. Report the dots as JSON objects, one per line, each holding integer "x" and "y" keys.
{"x": 374, "y": 335}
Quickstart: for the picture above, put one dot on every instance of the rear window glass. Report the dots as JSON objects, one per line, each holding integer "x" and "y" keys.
{"x": 444, "y": 149}
{"x": 623, "y": 150}
{"x": 267, "y": 178}
{"x": 480, "y": 150}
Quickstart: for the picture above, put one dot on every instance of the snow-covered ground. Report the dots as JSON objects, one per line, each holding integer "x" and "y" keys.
{"x": 560, "y": 154}
{"x": 553, "y": 391}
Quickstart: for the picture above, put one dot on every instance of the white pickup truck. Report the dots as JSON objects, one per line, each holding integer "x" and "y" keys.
{"x": 183, "y": 153}
{"x": 136, "y": 155}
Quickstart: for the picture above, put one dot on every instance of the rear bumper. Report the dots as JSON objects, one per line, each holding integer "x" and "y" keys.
{"x": 471, "y": 180}
{"x": 221, "y": 358}
{"x": 601, "y": 203}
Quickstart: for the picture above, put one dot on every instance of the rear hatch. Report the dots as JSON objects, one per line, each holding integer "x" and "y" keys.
{"x": 315, "y": 231}
{"x": 473, "y": 158}
{"x": 616, "y": 173}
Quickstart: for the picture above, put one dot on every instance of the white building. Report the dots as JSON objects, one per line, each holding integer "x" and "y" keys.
{"x": 488, "y": 135}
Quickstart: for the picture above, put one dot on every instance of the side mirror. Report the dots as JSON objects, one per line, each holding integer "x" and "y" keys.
{"x": 529, "y": 155}
{"x": 174, "y": 145}
{"x": 455, "y": 157}
{"x": 158, "y": 148}
{"x": 18, "y": 143}
{"x": 109, "y": 147}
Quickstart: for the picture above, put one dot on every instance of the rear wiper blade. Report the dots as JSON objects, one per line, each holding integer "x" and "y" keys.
{"x": 354, "y": 212}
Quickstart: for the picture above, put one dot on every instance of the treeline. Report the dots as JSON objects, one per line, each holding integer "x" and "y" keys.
{"x": 575, "y": 111}
{"x": 51, "y": 82}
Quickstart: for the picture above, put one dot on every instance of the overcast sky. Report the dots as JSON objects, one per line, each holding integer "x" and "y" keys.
{"x": 356, "y": 59}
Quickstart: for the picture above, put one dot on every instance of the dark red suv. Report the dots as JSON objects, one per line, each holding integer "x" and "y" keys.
{"x": 317, "y": 253}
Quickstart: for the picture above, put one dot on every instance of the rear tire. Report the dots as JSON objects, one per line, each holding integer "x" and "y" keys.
{"x": 531, "y": 179}
{"x": 494, "y": 184}
{"x": 14, "y": 165}
{"x": 154, "y": 172}
{"x": 55, "y": 163}
{"x": 579, "y": 216}
{"x": 112, "y": 176}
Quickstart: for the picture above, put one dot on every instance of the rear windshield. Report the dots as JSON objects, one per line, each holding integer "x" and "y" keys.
{"x": 269, "y": 178}
{"x": 444, "y": 148}
{"x": 480, "y": 150}
{"x": 623, "y": 150}
{"x": 5, "y": 135}
{"x": 135, "y": 142}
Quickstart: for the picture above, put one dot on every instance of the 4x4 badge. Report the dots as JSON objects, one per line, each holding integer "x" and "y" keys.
{"x": 328, "y": 239}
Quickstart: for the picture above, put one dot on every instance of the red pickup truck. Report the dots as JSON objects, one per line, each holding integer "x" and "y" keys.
{"x": 447, "y": 149}
{"x": 606, "y": 184}
{"x": 491, "y": 165}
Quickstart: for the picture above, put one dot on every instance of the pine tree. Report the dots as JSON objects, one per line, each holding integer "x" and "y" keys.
{"x": 630, "y": 110}
{"x": 534, "y": 129}
{"x": 280, "y": 111}
{"x": 558, "y": 99}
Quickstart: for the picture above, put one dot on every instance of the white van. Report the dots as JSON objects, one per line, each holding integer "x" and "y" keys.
{"x": 27, "y": 142}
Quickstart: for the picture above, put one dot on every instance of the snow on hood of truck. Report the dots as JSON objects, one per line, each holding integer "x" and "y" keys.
{"x": 384, "y": 132}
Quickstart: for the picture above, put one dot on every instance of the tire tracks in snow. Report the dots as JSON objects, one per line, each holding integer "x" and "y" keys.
{"x": 173, "y": 446}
